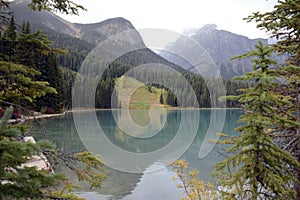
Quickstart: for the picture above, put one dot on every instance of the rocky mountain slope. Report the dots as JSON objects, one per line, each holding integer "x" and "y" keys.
{"x": 80, "y": 39}
{"x": 92, "y": 33}
{"x": 220, "y": 45}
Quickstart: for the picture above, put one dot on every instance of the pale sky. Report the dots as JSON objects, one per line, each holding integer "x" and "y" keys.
{"x": 176, "y": 15}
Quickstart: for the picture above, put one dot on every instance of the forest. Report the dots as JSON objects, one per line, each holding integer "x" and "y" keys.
{"x": 57, "y": 62}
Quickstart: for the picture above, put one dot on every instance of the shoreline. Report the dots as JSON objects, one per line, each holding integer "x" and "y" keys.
{"x": 39, "y": 116}
{"x": 44, "y": 116}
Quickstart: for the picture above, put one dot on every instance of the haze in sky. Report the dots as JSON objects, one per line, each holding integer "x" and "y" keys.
{"x": 177, "y": 15}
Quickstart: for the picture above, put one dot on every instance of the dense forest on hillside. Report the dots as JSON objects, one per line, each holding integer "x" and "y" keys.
{"x": 31, "y": 50}
{"x": 60, "y": 56}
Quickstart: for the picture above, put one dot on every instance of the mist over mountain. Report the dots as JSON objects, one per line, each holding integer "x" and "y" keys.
{"x": 80, "y": 39}
{"x": 220, "y": 45}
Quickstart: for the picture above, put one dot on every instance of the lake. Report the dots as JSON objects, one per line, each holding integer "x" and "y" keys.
{"x": 152, "y": 176}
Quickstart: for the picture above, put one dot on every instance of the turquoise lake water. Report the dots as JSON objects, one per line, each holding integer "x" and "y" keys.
{"x": 152, "y": 178}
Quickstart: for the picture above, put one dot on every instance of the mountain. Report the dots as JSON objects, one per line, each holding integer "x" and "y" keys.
{"x": 220, "y": 45}
{"x": 46, "y": 21}
{"x": 112, "y": 48}
{"x": 80, "y": 39}
{"x": 96, "y": 32}
{"x": 42, "y": 19}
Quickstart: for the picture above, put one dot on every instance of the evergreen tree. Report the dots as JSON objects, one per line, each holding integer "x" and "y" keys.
{"x": 149, "y": 88}
{"x": 258, "y": 168}
{"x": 32, "y": 50}
{"x": 11, "y": 31}
{"x": 20, "y": 181}
{"x": 171, "y": 98}
{"x": 18, "y": 86}
{"x": 25, "y": 28}
{"x": 18, "y": 83}
{"x": 161, "y": 99}
{"x": 10, "y": 35}
{"x": 282, "y": 23}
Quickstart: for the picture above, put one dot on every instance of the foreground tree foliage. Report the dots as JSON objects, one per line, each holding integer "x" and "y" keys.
{"x": 264, "y": 160}
{"x": 63, "y": 6}
{"x": 26, "y": 61}
{"x": 18, "y": 181}
{"x": 28, "y": 66}
{"x": 259, "y": 168}
{"x": 18, "y": 85}
{"x": 193, "y": 187}
{"x": 282, "y": 23}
